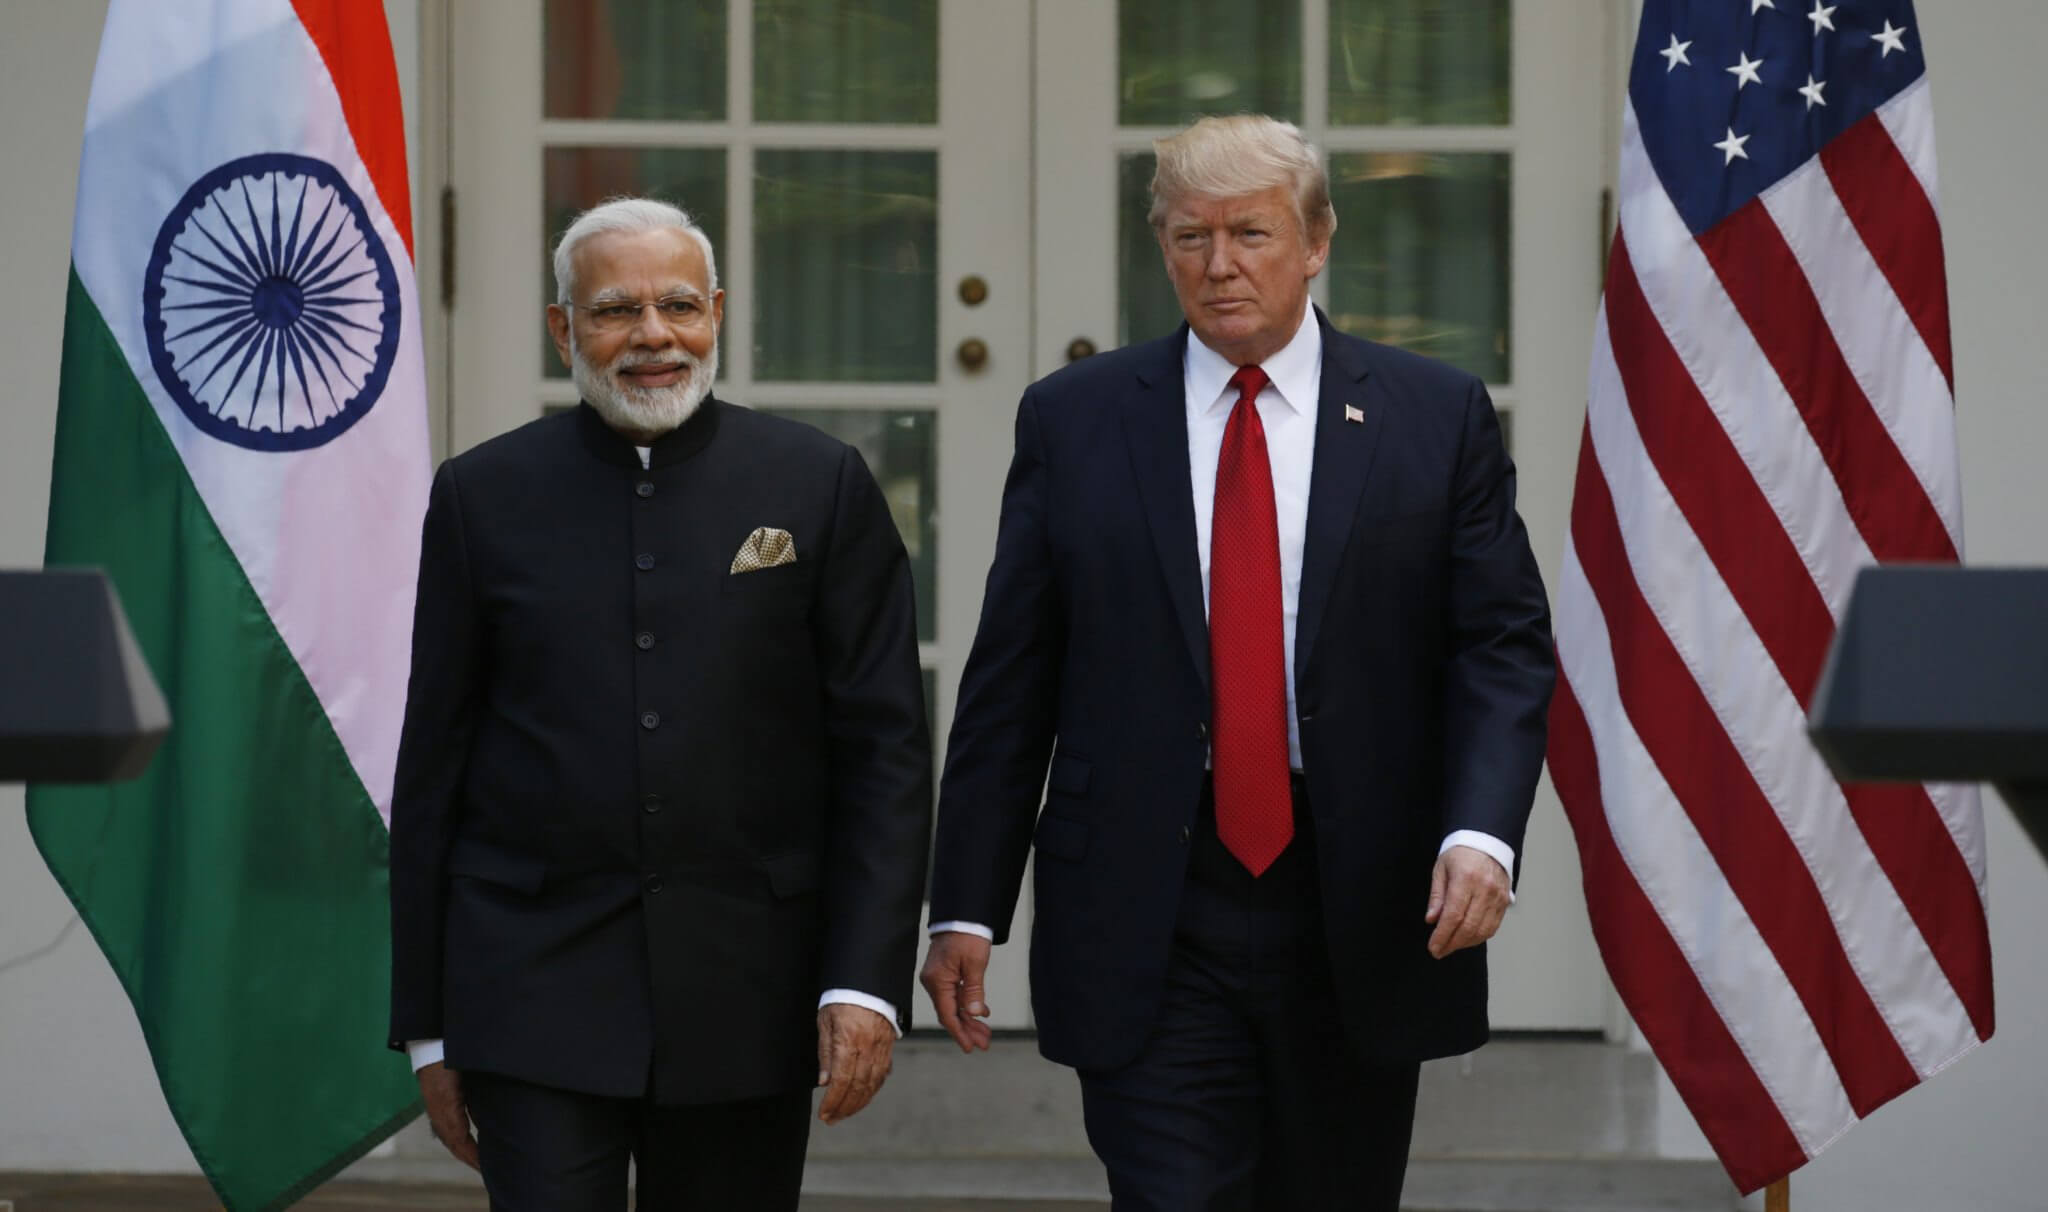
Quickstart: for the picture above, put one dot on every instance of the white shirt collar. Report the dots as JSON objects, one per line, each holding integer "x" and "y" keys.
{"x": 1294, "y": 371}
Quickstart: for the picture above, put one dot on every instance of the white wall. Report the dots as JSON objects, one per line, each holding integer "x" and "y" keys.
{"x": 76, "y": 1089}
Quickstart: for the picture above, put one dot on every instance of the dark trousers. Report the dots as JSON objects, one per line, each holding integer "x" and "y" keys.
{"x": 553, "y": 1150}
{"x": 1245, "y": 1098}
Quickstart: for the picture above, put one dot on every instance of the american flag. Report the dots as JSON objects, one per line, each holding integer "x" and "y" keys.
{"x": 1770, "y": 409}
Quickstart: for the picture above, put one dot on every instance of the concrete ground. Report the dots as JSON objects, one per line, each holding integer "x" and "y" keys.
{"x": 116, "y": 1193}
{"x": 1530, "y": 1125}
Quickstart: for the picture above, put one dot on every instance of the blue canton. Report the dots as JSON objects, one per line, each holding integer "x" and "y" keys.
{"x": 1734, "y": 95}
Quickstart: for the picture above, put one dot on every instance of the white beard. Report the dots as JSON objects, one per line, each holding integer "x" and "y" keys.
{"x": 643, "y": 411}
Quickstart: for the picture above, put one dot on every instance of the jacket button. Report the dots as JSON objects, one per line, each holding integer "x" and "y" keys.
{"x": 644, "y": 641}
{"x": 653, "y": 884}
{"x": 644, "y": 488}
{"x": 1183, "y": 835}
{"x": 1202, "y": 730}
{"x": 650, "y": 720}
{"x": 644, "y": 562}
{"x": 650, "y": 803}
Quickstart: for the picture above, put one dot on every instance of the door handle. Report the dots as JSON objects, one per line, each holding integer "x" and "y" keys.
{"x": 1079, "y": 348}
{"x": 973, "y": 353}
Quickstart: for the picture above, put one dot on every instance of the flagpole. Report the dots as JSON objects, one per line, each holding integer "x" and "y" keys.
{"x": 1778, "y": 1196}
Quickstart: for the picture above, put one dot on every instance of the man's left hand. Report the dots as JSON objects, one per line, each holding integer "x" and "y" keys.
{"x": 854, "y": 1044}
{"x": 1468, "y": 895}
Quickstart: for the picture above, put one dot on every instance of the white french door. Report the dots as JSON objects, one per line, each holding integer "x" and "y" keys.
{"x": 921, "y": 205}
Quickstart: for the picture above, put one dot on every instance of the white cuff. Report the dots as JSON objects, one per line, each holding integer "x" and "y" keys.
{"x": 974, "y": 928}
{"x": 1488, "y": 845}
{"x": 424, "y": 1052}
{"x": 854, "y": 997}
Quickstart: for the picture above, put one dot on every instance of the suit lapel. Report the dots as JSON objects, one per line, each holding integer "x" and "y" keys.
{"x": 1344, "y": 452}
{"x": 1156, "y": 426}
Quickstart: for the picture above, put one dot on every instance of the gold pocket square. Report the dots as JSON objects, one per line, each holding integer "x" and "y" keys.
{"x": 767, "y": 547}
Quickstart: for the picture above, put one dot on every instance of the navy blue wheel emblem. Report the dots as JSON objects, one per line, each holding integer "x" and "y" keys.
{"x": 270, "y": 306}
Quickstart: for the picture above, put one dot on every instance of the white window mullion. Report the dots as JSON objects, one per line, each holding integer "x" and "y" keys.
{"x": 737, "y": 356}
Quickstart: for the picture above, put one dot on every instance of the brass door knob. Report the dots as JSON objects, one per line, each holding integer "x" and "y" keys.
{"x": 1079, "y": 348}
{"x": 973, "y": 289}
{"x": 973, "y": 353}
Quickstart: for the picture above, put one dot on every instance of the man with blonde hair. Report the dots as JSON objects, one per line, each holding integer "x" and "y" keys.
{"x": 664, "y": 788}
{"x": 1262, "y": 605}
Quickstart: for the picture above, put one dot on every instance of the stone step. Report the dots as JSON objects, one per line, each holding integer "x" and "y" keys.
{"x": 1523, "y": 1125}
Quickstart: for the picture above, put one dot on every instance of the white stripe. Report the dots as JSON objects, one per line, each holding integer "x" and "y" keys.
{"x": 1877, "y": 337}
{"x": 1676, "y": 872}
{"x": 328, "y": 537}
{"x": 1962, "y": 810}
{"x": 1909, "y": 117}
{"x": 140, "y": 50}
{"x": 1743, "y": 389}
{"x": 1765, "y": 722}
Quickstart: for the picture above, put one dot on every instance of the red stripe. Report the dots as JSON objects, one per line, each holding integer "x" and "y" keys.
{"x": 356, "y": 47}
{"x": 1918, "y": 854}
{"x": 1764, "y": 572}
{"x": 1897, "y": 222}
{"x": 1767, "y": 285}
{"x": 1657, "y": 983}
{"x": 1702, "y": 470}
{"x": 1733, "y": 816}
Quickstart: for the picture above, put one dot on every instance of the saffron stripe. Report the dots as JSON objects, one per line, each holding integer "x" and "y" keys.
{"x": 356, "y": 47}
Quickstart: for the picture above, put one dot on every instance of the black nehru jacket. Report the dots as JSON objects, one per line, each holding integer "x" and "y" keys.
{"x": 647, "y": 809}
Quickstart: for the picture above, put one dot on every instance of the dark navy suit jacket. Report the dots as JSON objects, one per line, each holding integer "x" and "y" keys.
{"x": 1423, "y": 670}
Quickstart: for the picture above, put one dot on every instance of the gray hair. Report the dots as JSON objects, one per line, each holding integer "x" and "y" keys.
{"x": 625, "y": 214}
{"x": 1243, "y": 154}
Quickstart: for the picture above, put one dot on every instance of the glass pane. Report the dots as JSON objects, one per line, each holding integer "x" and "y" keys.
{"x": 1146, "y": 306}
{"x": 635, "y": 59}
{"x": 1420, "y": 258}
{"x": 846, "y": 60}
{"x": 902, "y": 450}
{"x": 1437, "y": 62}
{"x": 1180, "y": 59}
{"x": 846, "y": 266}
{"x": 578, "y": 178}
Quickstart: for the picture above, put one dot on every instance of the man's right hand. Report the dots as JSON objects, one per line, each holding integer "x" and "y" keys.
{"x": 954, "y": 970}
{"x": 447, "y": 1113}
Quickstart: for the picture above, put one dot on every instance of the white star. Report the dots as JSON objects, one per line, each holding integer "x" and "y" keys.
{"x": 1812, "y": 91}
{"x": 1823, "y": 17}
{"x": 1893, "y": 39}
{"x": 1732, "y": 145}
{"x": 1675, "y": 54}
{"x": 1744, "y": 70}
{"x": 1755, "y": 5}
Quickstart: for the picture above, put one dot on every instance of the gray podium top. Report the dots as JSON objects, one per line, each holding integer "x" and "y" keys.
{"x": 1941, "y": 673}
{"x": 77, "y": 703}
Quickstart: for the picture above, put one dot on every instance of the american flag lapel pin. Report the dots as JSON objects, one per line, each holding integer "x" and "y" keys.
{"x": 1354, "y": 414}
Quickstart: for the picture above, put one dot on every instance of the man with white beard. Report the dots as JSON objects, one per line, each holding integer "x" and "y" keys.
{"x": 659, "y": 831}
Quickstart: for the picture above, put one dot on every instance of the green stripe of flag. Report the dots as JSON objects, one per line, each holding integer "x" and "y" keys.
{"x": 239, "y": 888}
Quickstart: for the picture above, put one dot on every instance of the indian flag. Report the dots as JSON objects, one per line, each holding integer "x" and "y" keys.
{"x": 242, "y": 445}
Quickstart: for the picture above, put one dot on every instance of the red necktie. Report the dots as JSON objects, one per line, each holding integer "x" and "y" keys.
{"x": 1247, "y": 649}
